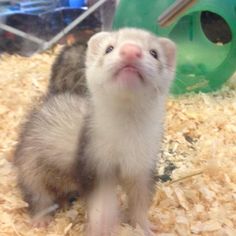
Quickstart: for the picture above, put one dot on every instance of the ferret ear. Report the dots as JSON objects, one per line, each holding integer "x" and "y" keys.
{"x": 95, "y": 41}
{"x": 169, "y": 50}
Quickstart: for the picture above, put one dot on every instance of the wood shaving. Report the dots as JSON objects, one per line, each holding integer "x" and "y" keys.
{"x": 200, "y": 139}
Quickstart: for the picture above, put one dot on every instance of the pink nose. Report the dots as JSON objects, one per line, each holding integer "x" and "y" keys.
{"x": 130, "y": 52}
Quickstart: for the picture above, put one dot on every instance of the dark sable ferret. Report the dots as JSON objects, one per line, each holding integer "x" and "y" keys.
{"x": 92, "y": 144}
{"x": 68, "y": 71}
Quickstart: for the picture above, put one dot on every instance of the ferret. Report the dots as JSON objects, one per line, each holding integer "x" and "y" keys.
{"x": 72, "y": 144}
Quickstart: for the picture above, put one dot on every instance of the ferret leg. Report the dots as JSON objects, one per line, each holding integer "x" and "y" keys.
{"x": 102, "y": 212}
{"x": 139, "y": 197}
{"x": 42, "y": 206}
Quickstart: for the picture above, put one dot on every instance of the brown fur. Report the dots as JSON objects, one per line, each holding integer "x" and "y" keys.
{"x": 68, "y": 73}
{"x": 40, "y": 158}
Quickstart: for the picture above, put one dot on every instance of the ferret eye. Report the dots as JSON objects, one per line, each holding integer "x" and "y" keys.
{"x": 154, "y": 53}
{"x": 109, "y": 49}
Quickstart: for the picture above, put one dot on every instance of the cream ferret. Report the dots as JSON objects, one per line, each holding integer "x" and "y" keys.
{"x": 111, "y": 138}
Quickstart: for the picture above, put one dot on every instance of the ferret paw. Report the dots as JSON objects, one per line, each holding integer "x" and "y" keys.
{"x": 42, "y": 222}
{"x": 97, "y": 231}
{"x": 150, "y": 232}
{"x": 149, "y": 229}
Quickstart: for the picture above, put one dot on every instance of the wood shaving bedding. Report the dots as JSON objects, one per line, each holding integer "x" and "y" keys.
{"x": 200, "y": 140}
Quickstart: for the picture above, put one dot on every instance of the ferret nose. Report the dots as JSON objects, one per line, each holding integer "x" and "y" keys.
{"x": 130, "y": 52}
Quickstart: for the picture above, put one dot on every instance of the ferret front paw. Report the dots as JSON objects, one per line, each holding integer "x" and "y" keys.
{"x": 90, "y": 232}
{"x": 102, "y": 230}
{"x": 150, "y": 231}
{"x": 148, "y": 228}
{"x": 42, "y": 222}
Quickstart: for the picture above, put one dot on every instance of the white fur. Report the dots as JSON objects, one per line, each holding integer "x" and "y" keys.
{"x": 126, "y": 123}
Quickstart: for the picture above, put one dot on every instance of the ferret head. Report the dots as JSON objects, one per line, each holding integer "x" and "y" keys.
{"x": 129, "y": 61}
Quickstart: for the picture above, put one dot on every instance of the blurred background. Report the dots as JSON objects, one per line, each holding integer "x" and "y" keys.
{"x": 44, "y": 19}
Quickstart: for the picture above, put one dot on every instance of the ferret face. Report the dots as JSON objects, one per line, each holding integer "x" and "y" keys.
{"x": 129, "y": 61}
